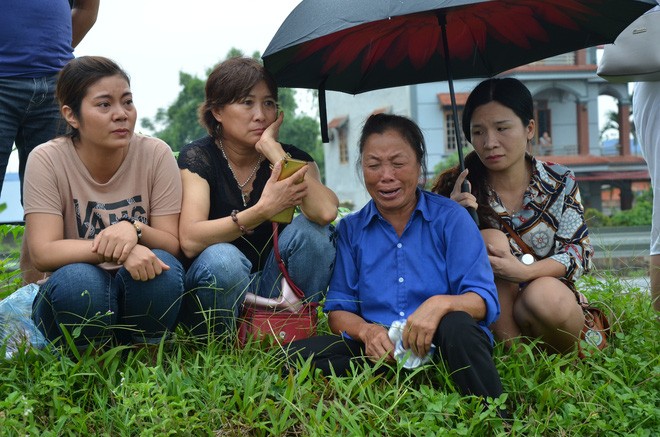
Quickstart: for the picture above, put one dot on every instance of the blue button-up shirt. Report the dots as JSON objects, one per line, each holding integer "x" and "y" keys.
{"x": 383, "y": 277}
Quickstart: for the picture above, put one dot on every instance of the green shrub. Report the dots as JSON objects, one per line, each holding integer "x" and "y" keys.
{"x": 595, "y": 218}
{"x": 10, "y": 244}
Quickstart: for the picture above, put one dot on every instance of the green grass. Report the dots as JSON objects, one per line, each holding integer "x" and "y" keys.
{"x": 187, "y": 388}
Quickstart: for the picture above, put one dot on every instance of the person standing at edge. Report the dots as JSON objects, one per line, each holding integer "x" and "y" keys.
{"x": 37, "y": 39}
{"x": 646, "y": 112}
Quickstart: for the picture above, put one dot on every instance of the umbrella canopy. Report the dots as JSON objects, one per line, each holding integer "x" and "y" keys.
{"x": 355, "y": 46}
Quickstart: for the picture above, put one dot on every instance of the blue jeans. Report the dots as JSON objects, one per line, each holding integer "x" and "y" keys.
{"x": 29, "y": 116}
{"x": 219, "y": 277}
{"x": 83, "y": 297}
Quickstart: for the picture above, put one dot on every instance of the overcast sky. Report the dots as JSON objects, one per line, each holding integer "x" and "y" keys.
{"x": 155, "y": 39}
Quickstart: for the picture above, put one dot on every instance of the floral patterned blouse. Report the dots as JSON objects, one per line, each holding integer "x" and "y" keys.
{"x": 551, "y": 221}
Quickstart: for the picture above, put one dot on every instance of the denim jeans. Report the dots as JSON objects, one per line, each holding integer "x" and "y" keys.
{"x": 102, "y": 305}
{"x": 29, "y": 116}
{"x": 219, "y": 277}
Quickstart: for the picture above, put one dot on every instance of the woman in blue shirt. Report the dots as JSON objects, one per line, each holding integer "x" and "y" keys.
{"x": 412, "y": 257}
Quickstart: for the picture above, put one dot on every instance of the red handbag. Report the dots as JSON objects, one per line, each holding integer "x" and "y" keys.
{"x": 596, "y": 329}
{"x": 268, "y": 323}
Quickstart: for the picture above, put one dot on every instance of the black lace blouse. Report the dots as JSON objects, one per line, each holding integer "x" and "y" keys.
{"x": 204, "y": 158}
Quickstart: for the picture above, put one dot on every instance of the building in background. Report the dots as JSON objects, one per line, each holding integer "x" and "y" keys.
{"x": 565, "y": 89}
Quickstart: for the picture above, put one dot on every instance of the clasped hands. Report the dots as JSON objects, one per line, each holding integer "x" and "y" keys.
{"x": 118, "y": 244}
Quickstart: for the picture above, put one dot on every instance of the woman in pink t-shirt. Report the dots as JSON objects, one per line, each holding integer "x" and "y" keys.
{"x": 101, "y": 210}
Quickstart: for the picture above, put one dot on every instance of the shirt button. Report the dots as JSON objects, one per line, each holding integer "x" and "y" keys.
{"x": 400, "y": 279}
{"x": 402, "y": 314}
{"x": 399, "y": 245}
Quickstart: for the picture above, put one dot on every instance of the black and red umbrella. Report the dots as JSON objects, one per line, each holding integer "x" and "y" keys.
{"x": 355, "y": 46}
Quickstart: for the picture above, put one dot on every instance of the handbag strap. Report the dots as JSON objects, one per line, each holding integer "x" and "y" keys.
{"x": 280, "y": 263}
{"x": 513, "y": 234}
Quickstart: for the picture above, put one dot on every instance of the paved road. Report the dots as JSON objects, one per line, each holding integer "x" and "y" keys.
{"x": 620, "y": 250}
{"x": 621, "y": 241}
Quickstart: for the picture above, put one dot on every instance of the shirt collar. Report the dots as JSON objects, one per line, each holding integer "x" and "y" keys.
{"x": 532, "y": 191}
{"x": 372, "y": 212}
{"x": 542, "y": 183}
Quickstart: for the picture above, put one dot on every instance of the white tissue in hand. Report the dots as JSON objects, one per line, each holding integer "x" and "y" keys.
{"x": 406, "y": 357}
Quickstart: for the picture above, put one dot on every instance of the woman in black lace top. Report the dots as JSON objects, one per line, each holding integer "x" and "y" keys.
{"x": 230, "y": 194}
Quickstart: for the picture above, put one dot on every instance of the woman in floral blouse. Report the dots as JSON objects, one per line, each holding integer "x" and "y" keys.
{"x": 539, "y": 201}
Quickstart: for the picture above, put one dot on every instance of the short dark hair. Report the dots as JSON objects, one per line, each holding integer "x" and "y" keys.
{"x": 229, "y": 82}
{"x": 77, "y": 76}
{"x": 506, "y": 91}
{"x": 408, "y": 129}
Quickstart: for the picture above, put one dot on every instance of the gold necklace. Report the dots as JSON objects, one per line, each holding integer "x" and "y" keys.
{"x": 244, "y": 196}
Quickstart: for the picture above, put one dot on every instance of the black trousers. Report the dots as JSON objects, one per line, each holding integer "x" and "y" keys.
{"x": 460, "y": 342}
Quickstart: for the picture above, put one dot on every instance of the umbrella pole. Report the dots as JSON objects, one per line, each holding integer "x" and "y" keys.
{"x": 323, "y": 114}
{"x": 465, "y": 187}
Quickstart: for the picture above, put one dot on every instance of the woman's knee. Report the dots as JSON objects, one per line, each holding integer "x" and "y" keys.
{"x": 219, "y": 265}
{"x": 76, "y": 295}
{"x": 169, "y": 259}
{"x": 546, "y": 301}
{"x": 315, "y": 238}
{"x": 171, "y": 280}
{"x": 79, "y": 288}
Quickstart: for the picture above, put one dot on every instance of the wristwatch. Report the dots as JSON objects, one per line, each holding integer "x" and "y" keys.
{"x": 135, "y": 224}
{"x": 527, "y": 259}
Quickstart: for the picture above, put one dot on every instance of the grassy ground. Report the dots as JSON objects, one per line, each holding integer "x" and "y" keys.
{"x": 186, "y": 388}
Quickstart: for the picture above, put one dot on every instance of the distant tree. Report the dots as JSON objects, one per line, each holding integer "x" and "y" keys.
{"x": 446, "y": 163}
{"x": 612, "y": 125}
{"x": 639, "y": 215}
{"x": 302, "y": 131}
{"x": 178, "y": 125}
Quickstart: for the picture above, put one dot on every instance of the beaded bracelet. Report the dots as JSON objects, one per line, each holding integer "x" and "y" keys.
{"x": 234, "y": 218}
{"x": 131, "y": 220}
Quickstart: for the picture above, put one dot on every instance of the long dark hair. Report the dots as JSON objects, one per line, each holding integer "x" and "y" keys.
{"x": 508, "y": 92}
